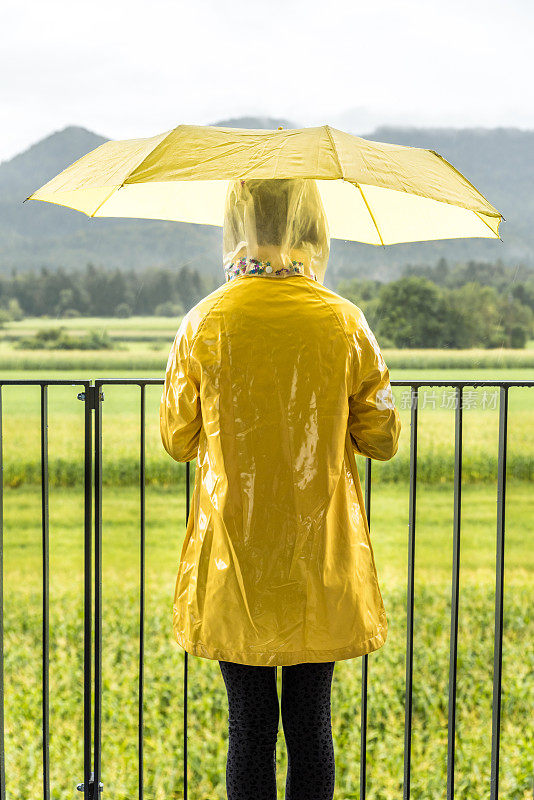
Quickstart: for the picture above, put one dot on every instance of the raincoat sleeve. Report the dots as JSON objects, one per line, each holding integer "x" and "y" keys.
{"x": 180, "y": 411}
{"x": 374, "y": 422}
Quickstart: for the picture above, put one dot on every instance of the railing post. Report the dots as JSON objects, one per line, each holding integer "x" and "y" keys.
{"x": 97, "y": 398}
{"x": 88, "y": 541}
{"x": 451, "y": 728}
{"x": 414, "y": 397}
{"x": 142, "y": 449}
{"x": 187, "y": 491}
{"x": 91, "y": 397}
{"x": 46, "y": 591}
{"x": 2, "y": 750}
{"x": 499, "y": 595}
{"x": 365, "y": 659}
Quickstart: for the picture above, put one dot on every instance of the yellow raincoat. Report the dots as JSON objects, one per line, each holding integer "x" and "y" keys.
{"x": 273, "y": 383}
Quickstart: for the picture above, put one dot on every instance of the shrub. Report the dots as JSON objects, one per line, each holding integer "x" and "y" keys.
{"x": 123, "y": 310}
{"x": 518, "y": 336}
{"x": 168, "y": 309}
{"x": 15, "y": 311}
{"x": 59, "y": 339}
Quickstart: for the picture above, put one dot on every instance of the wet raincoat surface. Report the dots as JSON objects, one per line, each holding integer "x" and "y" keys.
{"x": 273, "y": 383}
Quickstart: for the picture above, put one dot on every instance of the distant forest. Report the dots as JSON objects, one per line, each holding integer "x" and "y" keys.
{"x": 98, "y": 292}
{"x": 473, "y": 304}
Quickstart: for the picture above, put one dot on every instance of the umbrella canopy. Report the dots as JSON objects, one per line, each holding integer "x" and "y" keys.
{"x": 372, "y": 192}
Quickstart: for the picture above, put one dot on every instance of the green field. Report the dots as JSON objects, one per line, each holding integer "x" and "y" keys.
{"x": 121, "y": 425}
{"x": 207, "y": 701}
{"x": 143, "y": 344}
{"x": 165, "y": 513}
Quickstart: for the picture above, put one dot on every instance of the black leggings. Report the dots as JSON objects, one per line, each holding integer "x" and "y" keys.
{"x": 253, "y": 716}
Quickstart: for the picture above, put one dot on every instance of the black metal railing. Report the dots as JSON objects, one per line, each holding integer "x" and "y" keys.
{"x": 92, "y": 395}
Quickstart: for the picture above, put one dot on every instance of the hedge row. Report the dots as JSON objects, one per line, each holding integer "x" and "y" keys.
{"x": 431, "y": 469}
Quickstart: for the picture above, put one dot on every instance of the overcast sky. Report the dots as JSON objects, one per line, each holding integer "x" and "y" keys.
{"x": 127, "y": 69}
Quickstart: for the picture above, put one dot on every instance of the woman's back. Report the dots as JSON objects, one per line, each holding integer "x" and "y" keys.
{"x": 267, "y": 377}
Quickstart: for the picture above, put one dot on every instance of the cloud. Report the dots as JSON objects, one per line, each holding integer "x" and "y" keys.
{"x": 130, "y": 69}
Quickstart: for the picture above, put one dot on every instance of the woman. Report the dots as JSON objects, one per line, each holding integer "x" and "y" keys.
{"x": 273, "y": 383}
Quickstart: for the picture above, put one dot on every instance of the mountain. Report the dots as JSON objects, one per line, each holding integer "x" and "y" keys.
{"x": 43, "y": 160}
{"x": 265, "y": 123}
{"x": 500, "y": 162}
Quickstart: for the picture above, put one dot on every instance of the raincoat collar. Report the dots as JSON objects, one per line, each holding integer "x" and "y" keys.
{"x": 255, "y": 266}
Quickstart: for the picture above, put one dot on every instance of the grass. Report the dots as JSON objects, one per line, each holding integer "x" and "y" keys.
{"x": 145, "y": 341}
{"x": 121, "y": 424}
{"x": 121, "y": 327}
{"x": 151, "y": 354}
{"x": 165, "y": 525}
{"x": 207, "y": 740}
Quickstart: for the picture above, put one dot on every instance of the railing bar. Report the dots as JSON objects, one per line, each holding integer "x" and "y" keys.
{"x": 398, "y": 382}
{"x": 2, "y": 696}
{"x": 160, "y": 381}
{"x": 88, "y": 583}
{"x": 131, "y": 381}
{"x": 142, "y": 586}
{"x": 499, "y": 595}
{"x": 455, "y": 591}
{"x": 463, "y": 383}
{"x": 43, "y": 382}
{"x": 365, "y": 659}
{"x": 97, "y": 743}
{"x": 46, "y": 592}
{"x": 410, "y": 593}
{"x": 187, "y": 491}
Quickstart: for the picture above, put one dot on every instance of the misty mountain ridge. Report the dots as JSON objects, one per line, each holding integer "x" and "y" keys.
{"x": 498, "y": 161}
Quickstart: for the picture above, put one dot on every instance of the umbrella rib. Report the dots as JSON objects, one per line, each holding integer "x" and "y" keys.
{"x": 357, "y": 184}
{"x": 371, "y": 213}
{"x": 486, "y": 223}
{"x": 479, "y": 193}
{"x": 335, "y": 151}
{"x": 147, "y": 155}
{"x": 130, "y": 173}
{"x": 99, "y": 206}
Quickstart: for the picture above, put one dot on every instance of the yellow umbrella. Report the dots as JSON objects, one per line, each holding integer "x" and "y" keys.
{"x": 372, "y": 192}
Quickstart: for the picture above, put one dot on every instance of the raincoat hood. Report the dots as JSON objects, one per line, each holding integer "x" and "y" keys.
{"x": 279, "y": 222}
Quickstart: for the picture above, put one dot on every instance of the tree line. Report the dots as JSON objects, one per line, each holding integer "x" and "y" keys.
{"x": 98, "y": 292}
{"x": 475, "y": 304}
